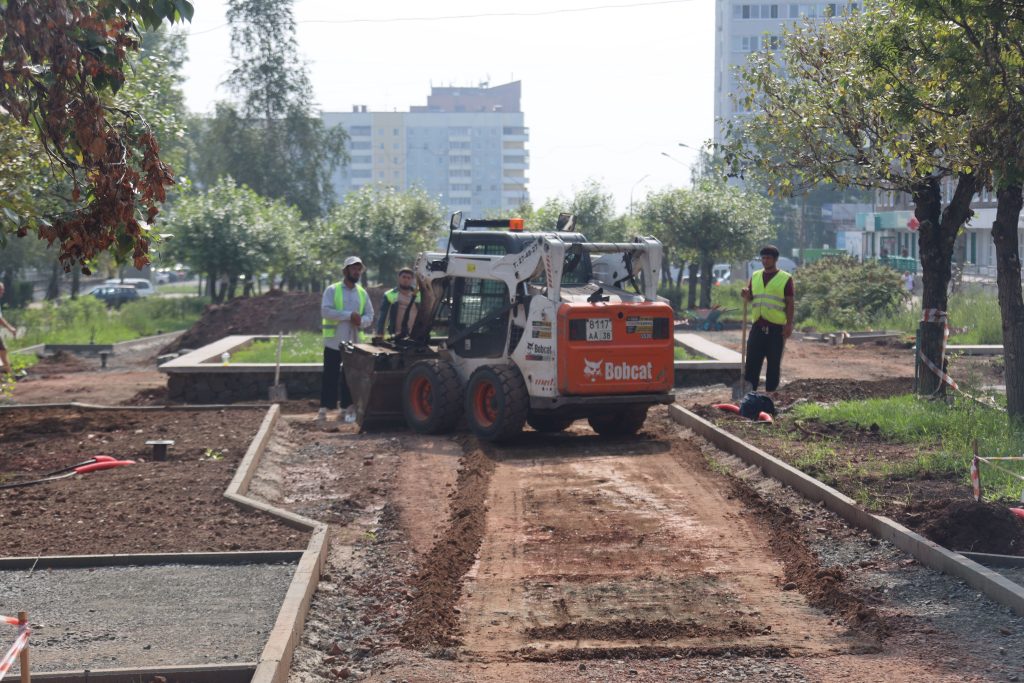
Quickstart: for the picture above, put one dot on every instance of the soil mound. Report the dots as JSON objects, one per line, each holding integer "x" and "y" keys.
{"x": 833, "y": 390}
{"x": 276, "y": 311}
{"x": 976, "y": 527}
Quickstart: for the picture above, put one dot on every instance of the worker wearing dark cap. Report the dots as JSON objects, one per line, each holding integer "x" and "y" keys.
{"x": 770, "y": 293}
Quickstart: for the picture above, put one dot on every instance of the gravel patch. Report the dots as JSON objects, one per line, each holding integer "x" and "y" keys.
{"x": 170, "y": 614}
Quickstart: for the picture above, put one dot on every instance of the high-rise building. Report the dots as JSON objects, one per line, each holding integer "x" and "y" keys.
{"x": 742, "y": 27}
{"x": 466, "y": 146}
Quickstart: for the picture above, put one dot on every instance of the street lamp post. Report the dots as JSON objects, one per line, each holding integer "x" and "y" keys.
{"x": 631, "y": 192}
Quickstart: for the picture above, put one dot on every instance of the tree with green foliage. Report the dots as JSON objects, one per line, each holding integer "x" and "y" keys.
{"x": 230, "y": 233}
{"x": 714, "y": 221}
{"x": 594, "y": 208}
{"x": 270, "y": 138}
{"x": 386, "y": 227}
{"x": 863, "y": 102}
{"x": 980, "y": 47}
{"x": 62, "y": 64}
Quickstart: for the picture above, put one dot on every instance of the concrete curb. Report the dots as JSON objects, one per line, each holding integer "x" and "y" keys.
{"x": 930, "y": 554}
{"x": 96, "y": 406}
{"x": 276, "y": 658}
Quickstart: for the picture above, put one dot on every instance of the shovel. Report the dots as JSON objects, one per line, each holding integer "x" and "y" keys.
{"x": 278, "y": 392}
{"x": 740, "y": 389}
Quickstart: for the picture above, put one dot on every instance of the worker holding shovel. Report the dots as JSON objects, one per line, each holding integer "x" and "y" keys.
{"x": 770, "y": 294}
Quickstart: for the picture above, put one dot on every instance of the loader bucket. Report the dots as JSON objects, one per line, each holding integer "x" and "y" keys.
{"x": 374, "y": 375}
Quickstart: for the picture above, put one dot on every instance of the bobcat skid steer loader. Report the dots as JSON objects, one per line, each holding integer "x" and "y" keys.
{"x": 540, "y": 328}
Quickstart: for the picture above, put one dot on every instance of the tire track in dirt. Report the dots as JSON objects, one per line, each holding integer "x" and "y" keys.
{"x": 595, "y": 548}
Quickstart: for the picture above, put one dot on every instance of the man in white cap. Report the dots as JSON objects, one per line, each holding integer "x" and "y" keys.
{"x": 345, "y": 309}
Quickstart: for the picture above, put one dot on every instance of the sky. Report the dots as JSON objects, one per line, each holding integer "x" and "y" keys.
{"x": 611, "y": 89}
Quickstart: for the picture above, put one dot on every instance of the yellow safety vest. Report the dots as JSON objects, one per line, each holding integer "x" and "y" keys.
{"x": 769, "y": 302}
{"x": 329, "y": 326}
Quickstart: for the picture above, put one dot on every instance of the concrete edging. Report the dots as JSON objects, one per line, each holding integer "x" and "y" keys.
{"x": 928, "y": 553}
{"x": 276, "y": 658}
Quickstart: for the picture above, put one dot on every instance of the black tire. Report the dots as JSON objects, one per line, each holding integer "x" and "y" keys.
{"x": 496, "y": 402}
{"x": 432, "y": 397}
{"x": 548, "y": 424}
{"x": 624, "y": 423}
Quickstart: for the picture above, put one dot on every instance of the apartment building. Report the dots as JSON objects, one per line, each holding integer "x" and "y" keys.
{"x": 742, "y": 27}
{"x": 466, "y": 146}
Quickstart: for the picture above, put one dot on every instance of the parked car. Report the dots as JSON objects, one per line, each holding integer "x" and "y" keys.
{"x": 114, "y": 296}
{"x": 142, "y": 285}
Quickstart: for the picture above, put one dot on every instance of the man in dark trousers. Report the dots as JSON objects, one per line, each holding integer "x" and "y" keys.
{"x": 345, "y": 309}
{"x": 770, "y": 293}
{"x": 401, "y": 304}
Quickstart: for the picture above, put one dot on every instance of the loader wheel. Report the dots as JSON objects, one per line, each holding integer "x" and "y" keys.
{"x": 625, "y": 423}
{"x": 432, "y": 397}
{"x": 548, "y": 424}
{"x": 496, "y": 402}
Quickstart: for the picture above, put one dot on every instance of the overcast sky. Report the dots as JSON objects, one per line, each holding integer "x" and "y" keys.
{"x": 608, "y": 85}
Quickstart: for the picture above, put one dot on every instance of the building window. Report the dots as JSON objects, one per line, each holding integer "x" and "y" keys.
{"x": 355, "y": 131}
{"x": 359, "y": 145}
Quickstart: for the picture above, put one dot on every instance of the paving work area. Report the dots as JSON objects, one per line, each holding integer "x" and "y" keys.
{"x": 147, "y": 616}
{"x": 584, "y": 558}
{"x": 579, "y": 558}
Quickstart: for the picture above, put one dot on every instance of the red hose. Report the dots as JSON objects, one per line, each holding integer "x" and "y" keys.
{"x": 728, "y": 407}
{"x": 104, "y": 465}
{"x": 1018, "y": 511}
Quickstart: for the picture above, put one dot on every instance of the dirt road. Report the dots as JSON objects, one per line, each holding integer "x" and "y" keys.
{"x": 579, "y": 558}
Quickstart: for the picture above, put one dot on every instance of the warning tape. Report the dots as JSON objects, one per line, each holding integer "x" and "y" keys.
{"x": 934, "y": 315}
{"x": 19, "y": 644}
{"x": 976, "y": 478}
{"x": 976, "y": 472}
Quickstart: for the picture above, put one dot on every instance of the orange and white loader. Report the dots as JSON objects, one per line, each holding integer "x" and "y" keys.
{"x": 541, "y": 328}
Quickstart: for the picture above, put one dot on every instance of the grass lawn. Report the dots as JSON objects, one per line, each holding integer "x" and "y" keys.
{"x": 890, "y": 453}
{"x": 87, "y": 320}
{"x": 297, "y": 347}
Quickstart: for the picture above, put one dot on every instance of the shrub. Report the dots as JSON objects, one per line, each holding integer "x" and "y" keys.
{"x": 844, "y": 292}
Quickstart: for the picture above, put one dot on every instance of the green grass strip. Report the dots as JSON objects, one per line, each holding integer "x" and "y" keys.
{"x": 945, "y": 435}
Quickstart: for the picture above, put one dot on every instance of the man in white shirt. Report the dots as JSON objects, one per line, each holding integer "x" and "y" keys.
{"x": 346, "y": 310}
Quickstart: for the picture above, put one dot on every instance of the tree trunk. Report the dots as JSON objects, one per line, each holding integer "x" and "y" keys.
{"x": 691, "y": 297}
{"x": 706, "y": 266}
{"x": 936, "y": 237}
{"x": 1011, "y": 304}
{"x": 679, "y": 276}
{"x": 53, "y": 286}
{"x": 76, "y": 282}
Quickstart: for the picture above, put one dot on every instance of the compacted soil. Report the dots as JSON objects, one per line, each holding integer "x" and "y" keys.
{"x": 573, "y": 557}
{"x": 175, "y": 505}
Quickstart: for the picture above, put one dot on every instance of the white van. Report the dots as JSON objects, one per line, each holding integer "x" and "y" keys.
{"x": 142, "y": 285}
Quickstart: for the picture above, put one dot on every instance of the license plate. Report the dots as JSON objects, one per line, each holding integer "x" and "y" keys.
{"x": 599, "y": 329}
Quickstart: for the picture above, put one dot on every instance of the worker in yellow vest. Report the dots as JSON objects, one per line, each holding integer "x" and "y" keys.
{"x": 770, "y": 293}
{"x": 346, "y": 309}
{"x": 399, "y": 309}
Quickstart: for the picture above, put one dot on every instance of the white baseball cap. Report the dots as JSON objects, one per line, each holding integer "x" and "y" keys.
{"x": 352, "y": 260}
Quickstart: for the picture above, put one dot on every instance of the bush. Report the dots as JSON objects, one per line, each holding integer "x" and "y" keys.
{"x": 844, "y": 292}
